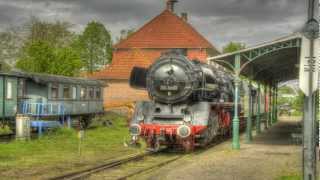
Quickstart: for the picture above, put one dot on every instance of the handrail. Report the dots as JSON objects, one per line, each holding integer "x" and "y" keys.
{"x": 41, "y": 109}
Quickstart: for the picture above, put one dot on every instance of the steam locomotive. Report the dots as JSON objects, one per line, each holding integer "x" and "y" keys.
{"x": 191, "y": 103}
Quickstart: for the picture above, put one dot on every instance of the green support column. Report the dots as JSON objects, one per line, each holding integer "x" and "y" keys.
{"x": 270, "y": 106}
{"x": 276, "y": 105}
{"x": 265, "y": 106}
{"x": 249, "y": 119}
{"x": 258, "y": 121}
{"x": 235, "y": 121}
{"x": 273, "y": 105}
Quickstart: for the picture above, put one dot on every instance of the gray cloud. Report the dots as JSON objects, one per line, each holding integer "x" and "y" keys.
{"x": 248, "y": 21}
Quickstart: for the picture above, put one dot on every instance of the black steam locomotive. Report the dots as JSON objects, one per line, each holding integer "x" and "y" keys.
{"x": 191, "y": 103}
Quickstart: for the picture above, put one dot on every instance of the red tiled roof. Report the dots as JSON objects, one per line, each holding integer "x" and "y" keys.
{"x": 162, "y": 33}
{"x": 166, "y": 30}
{"x": 123, "y": 61}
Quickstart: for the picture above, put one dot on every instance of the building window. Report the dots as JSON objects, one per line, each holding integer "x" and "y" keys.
{"x": 9, "y": 90}
{"x": 21, "y": 88}
{"x": 66, "y": 92}
{"x": 98, "y": 93}
{"x": 54, "y": 91}
{"x": 91, "y": 93}
{"x": 83, "y": 93}
{"x": 74, "y": 92}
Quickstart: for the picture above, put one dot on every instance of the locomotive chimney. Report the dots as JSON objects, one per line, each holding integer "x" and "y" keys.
{"x": 170, "y": 5}
{"x": 184, "y": 16}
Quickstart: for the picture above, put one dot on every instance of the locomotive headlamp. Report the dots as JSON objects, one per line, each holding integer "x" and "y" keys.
{"x": 187, "y": 118}
{"x": 183, "y": 131}
{"x": 140, "y": 117}
{"x": 135, "y": 129}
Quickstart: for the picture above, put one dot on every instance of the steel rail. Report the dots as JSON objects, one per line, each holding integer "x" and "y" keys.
{"x": 87, "y": 172}
{"x": 116, "y": 163}
{"x": 150, "y": 168}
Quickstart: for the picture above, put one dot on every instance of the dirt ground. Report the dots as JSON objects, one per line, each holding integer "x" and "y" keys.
{"x": 271, "y": 155}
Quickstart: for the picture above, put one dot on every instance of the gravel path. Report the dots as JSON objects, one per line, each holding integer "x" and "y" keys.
{"x": 271, "y": 154}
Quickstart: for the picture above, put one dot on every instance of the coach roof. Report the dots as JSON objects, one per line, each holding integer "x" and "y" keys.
{"x": 46, "y": 78}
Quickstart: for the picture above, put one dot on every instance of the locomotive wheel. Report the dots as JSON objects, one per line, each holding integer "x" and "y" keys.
{"x": 156, "y": 146}
{"x": 153, "y": 144}
{"x": 212, "y": 129}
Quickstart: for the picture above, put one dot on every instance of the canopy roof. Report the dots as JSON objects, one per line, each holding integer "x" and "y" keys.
{"x": 270, "y": 62}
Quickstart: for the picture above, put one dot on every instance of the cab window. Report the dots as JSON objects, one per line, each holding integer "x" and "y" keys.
{"x": 21, "y": 88}
{"x": 54, "y": 91}
{"x": 83, "y": 93}
{"x": 91, "y": 93}
{"x": 66, "y": 92}
{"x": 98, "y": 93}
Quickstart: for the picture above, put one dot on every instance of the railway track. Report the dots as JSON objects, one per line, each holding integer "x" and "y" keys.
{"x": 104, "y": 171}
{"x": 87, "y": 172}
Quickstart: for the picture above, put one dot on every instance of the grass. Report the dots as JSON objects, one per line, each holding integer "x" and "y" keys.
{"x": 290, "y": 176}
{"x": 60, "y": 149}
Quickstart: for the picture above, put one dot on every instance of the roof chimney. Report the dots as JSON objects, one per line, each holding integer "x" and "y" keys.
{"x": 184, "y": 16}
{"x": 170, "y": 5}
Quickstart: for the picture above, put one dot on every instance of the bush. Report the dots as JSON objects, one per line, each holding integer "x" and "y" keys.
{"x": 5, "y": 130}
{"x": 110, "y": 119}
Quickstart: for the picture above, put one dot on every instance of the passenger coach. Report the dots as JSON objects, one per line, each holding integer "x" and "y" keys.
{"x": 44, "y": 96}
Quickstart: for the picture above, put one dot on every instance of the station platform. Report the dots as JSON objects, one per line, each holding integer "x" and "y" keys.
{"x": 271, "y": 155}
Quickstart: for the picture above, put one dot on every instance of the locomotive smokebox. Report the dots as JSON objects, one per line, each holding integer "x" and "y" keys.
{"x": 172, "y": 78}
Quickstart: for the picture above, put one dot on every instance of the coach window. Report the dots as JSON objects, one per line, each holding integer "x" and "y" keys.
{"x": 9, "y": 90}
{"x": 54, "y": 91}
{"x": 66, "y": 92}
{"x": 91, "y": 93}
{"x": 21, "y": 88}
{"x": 98, "y": 93}
{"x": 83, "y": 93}
{"x": 74, "y": 92}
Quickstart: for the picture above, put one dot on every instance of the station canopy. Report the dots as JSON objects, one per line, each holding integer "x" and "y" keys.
{"x": 270, "y": 62}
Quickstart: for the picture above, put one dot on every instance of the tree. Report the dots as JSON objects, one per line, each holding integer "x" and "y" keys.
{"x": 233, "y": 46}
{"x": 4, "y": 67}
{"x": 11, "y": 43}
{"x": 298, "y": 101}
{"x": 13, "y": 39}
{"x": 124, "y": 33}
{"x": 37, "y": 57}
{"x": 42, "y": 57}
{"x": 288, "y": 96}
{"x": 57, "y": 33}
{"x": 286, "y": 90}
{"x": 47, "y": 49}
{"x": 95, "y": 46}
{"x": 67, "y": 62}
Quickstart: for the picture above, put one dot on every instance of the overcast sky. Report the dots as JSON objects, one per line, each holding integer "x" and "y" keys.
{"x": 220, "y": 21}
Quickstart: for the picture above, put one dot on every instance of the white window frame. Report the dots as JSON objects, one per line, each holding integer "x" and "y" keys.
{"x": 74, "y": 92}
{"x": 9, "y": 90}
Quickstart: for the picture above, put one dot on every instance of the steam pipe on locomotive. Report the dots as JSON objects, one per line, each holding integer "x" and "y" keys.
{"x": 191, "y": 103}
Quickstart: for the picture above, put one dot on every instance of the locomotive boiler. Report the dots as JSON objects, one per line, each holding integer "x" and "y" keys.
{"x": 190, "y": 103}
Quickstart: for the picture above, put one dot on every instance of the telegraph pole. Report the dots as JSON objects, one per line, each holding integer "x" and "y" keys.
{"x": 311, "y": 32}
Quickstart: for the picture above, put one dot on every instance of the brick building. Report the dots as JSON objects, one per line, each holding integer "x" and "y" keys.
{"x": 164, "y": 32}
